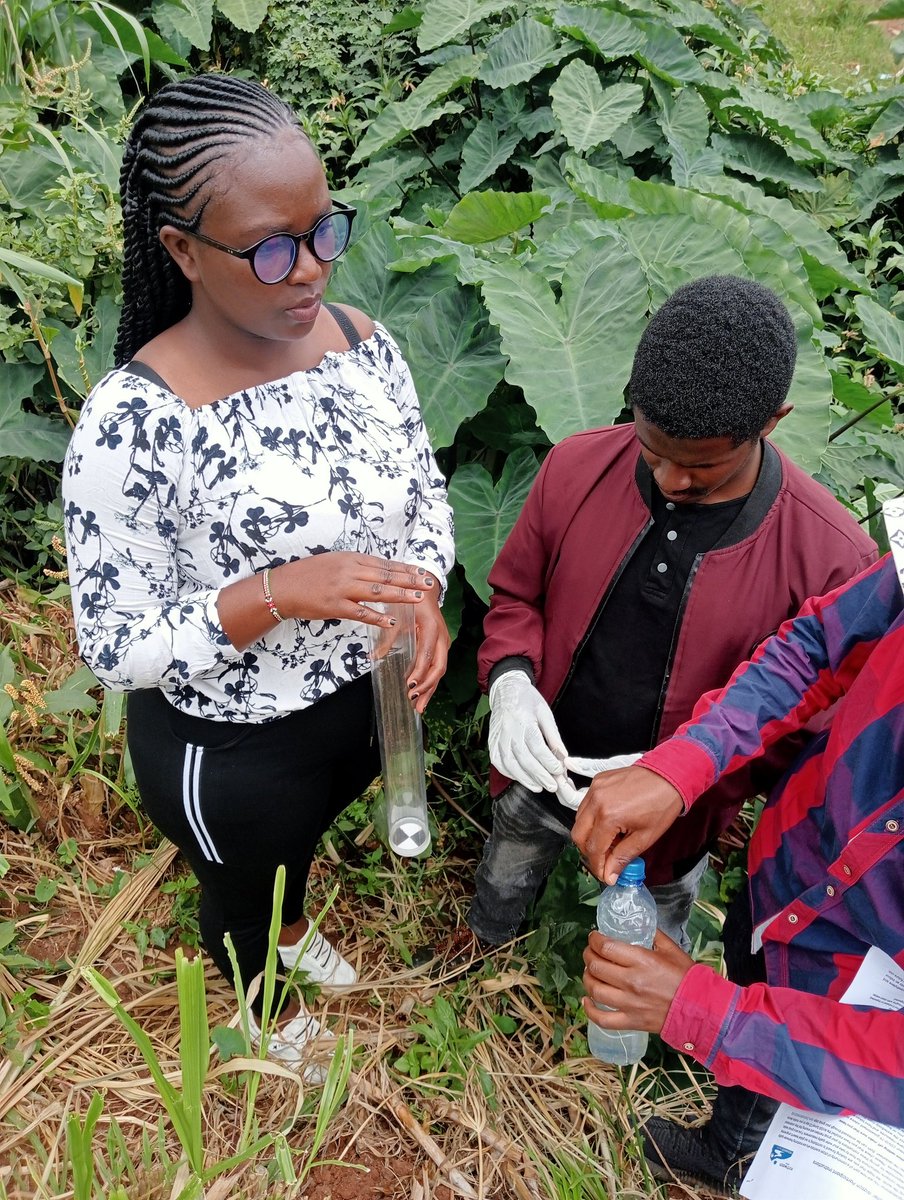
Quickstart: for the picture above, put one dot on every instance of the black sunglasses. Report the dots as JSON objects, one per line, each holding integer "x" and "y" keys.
{"x": 273, "y": 257}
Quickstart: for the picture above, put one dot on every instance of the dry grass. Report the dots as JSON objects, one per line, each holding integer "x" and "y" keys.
{"x": 522, "y": 1115}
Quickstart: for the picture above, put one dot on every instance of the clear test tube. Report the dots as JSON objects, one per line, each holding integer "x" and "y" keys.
{"x": 399, "y": 730}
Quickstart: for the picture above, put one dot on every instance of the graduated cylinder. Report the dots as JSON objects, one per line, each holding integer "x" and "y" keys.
{"x": 399, "y": 729}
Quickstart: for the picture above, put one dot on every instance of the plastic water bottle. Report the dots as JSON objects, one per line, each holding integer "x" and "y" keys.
{"x": 626, "y": 912}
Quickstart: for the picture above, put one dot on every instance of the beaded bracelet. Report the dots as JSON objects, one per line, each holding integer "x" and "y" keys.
{"x": 268, "y": 597}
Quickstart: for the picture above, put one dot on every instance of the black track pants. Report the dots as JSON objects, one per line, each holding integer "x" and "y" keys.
{"x": 238, "y": 800}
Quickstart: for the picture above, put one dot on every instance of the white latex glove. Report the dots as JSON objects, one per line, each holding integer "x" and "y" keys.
{"x": 523, "y": 740}
{"x": 571, "y": 796}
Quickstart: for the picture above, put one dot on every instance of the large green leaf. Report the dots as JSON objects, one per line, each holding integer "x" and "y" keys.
{"x": 673, "y": 250}
{"x": 193, "y": 19}
{"x": 888, "y": 12}
{"x": 486, "y": 216}
{"x": 450, "y": 20}
{"x": 704, "y": 24}
{"x": 781, "y": 117}
{"x": 828, "y": 268}
{"x": 763, "y": 158}
{"x": 484, "y": 514}
{"x": 684, "y": 119}
{"x": 587, "y": 112}
{"x": 804, "y": 434}
{"x": 884, "y": 333}
{"x": 607, "y": 33}
{"x": 520, "y": 52}
{"x": 665, "y": 54}
{"x": 365, "y": 280}
{"x": 244, "y": 14}
{"x": 484, "y": 152}
{"x": 455, "y": 360}
{"x": 22, "y": 434}
{"x": 888, "y": 124}
{"x": 418, "y": 109}
{"x": 571, "y": 359}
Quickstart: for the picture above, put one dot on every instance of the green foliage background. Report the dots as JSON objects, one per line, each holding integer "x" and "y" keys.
{"x": 534, "y": 178}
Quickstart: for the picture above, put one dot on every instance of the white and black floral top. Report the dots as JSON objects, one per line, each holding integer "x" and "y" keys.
{"x": 165, "y": 504}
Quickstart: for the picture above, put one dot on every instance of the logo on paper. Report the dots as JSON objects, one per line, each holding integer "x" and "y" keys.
{"x": 779, "y": 1154}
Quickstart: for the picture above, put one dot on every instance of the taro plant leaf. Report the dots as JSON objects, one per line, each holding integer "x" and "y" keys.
{"x": 484, "y": 514}
{"x": 684, "y": 119}
{"x": 244, "y": 14}
{"x": 763, "y": 158}
{"x": 571, "y": 359}
{"x": 781, "y": 117}
{"x": 873, "y": 407}
{"x": 450, "y": 20}
{"x": 587, "y": 112}
{"x": 519, "y": 53}
{"x": 418, "y": 109}
{"x": 888, "y": 12}
{"x": 485, "y": 216}
{"x": 610, "y": 34}
{"x": 704, "y": 24}
{"x": 365, "y": 280}
{"x": 23, "y": 434}
{"x": 675, "y": 249}
{"x": 804, "y": 433}
{"x": 884, "y": 333}
{"x": 665, "y": 54}
{"x": 484, "y": 152}
{"x": 828, "y": 268}
{"x": 888, "y": 124}
{"x": 455, "y": 360}
{"x": 193, "y": 19}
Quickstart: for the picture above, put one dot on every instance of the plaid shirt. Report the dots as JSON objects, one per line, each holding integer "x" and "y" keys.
{"x": 826, "y": 860}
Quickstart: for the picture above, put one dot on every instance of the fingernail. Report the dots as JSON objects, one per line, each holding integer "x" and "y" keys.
{"x": 428, "y": 582}
{"x": 419, "y": 595}
{"x": 421, "y": 571}
{"x": 412, "y": 684}
{"x": 392, "y": 620}
{"x": 415, "y": 696}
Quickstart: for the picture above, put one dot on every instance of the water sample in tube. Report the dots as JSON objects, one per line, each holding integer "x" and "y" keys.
{"x": 399, "y": 729}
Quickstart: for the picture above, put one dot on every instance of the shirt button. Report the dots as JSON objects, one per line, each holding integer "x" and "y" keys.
{"x": 891, "y": 826}
{"x": 660, "y": 567}
{"x": 830, "y": 891}
{"x": 689, "y": 1046}
{"x": 793, "y": 919}
{"x": 671, "y": 535}
{"x": 847, "y": 870}
{"x": 669, "y": 505}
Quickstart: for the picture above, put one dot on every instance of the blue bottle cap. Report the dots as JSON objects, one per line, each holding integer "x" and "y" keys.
{"x": 634, "y": 872}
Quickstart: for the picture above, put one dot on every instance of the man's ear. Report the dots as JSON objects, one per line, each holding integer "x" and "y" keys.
{"x": 182, "y": 249}
{"x": 773, "y": 421}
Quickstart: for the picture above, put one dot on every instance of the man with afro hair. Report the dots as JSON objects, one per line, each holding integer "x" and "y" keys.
{"x": 648, "y": 561}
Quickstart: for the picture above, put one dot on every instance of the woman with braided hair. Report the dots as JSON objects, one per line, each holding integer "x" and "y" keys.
{"x": 247, "y": 481}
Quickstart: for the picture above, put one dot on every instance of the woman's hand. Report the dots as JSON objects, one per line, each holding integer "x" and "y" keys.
{"x": 639, "y": 984}
{"x": 341, "y": 585}
{"x": 433, "y": 642}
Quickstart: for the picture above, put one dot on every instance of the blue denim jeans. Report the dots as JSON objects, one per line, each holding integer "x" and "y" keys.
{"x": 519, "y": 855}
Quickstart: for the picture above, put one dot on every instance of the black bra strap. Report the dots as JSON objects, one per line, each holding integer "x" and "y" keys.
{"x": 345, "y": 323}
{"x": 143, "y": 371}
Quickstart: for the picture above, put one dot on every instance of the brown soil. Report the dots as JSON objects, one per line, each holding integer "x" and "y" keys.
{"x": 381, "y": 1180}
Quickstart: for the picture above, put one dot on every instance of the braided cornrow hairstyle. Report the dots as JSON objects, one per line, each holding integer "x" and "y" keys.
{"x": 169, "y": 172}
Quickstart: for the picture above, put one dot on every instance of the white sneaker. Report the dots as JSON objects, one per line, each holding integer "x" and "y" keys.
{"x": 321, "y": 962}
{"x": 291, "y": 1044}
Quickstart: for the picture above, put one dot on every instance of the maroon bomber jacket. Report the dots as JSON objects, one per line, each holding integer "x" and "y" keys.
{"x": 585, "y": 515}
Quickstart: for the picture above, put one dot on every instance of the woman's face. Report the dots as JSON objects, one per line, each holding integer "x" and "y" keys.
{"x": 274, "y": 185}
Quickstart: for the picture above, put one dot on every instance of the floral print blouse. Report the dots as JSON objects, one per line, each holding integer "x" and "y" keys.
{"x": 165, "y": 504}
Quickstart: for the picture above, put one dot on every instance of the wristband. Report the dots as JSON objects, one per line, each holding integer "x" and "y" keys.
{"x": 268, "y": 597}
